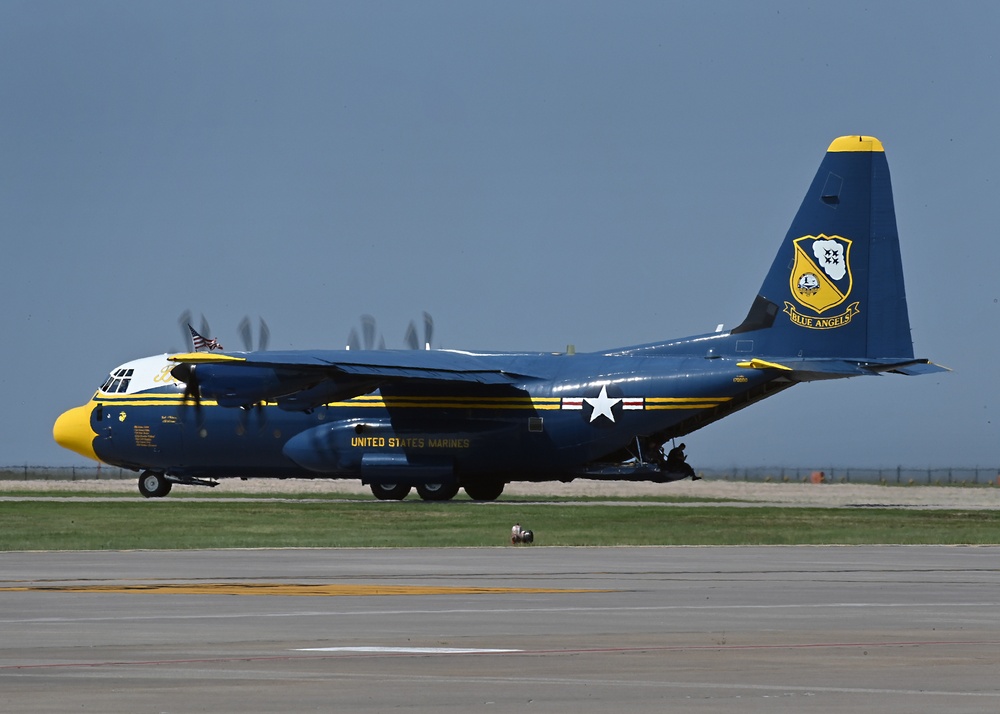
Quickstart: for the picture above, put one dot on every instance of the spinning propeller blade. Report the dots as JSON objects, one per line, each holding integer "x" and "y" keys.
{"x": 411, "y": 339}
{"x": 368, "y": 331}
{"x": 246, "y": 334}
{"x": 183, "y": 321}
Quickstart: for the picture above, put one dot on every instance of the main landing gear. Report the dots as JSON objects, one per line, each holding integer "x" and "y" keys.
{"x": 483, "y": 491}
{"x": 390, "y": 491}
{"x": 437, "y": 491}
{"x": 153, "y": 484}
{"x": 426, "y": 491}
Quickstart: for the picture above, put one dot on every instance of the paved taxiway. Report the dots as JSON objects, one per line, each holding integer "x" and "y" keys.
{"x": 778, "y": 629}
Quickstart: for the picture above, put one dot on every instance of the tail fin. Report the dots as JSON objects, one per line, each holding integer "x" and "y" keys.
{"x": 835, "y": 289}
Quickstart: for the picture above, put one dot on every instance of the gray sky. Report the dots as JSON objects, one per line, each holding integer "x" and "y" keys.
{"x": 533, "y": 174}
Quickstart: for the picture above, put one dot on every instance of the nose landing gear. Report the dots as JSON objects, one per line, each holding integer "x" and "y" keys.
{"x": 153, "y": 484}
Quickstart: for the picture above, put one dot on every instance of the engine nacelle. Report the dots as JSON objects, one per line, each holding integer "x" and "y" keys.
{"x": 237, "y": 385}
{"x": 373, "y": 451}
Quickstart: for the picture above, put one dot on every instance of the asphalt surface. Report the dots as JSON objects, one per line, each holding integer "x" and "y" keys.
{"x": 773, "y": 629}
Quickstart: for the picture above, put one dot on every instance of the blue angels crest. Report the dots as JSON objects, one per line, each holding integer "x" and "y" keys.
{"x": 821, "y": 280}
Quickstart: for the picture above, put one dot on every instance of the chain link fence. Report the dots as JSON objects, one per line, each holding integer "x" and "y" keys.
{"x": 65, "y": 473}
{"x": 897, "y": 476}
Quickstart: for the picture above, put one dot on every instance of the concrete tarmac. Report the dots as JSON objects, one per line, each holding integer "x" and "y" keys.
{"x": 739, "y": 629}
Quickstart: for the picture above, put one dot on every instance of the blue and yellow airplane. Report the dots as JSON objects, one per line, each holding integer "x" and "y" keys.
{"x": 832, "y": 306}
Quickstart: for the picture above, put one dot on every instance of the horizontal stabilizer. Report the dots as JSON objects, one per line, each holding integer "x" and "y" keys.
{"x": 815, "y": 369}
{"x": 917, "y": 368}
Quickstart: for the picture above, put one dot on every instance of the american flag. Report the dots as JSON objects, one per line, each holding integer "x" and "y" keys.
{"x": 203, "y": 343}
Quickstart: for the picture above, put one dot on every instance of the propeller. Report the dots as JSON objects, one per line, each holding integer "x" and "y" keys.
{"x": 183, "y": 321}
{"x": 368, "y": 333}
{"x": 246, "y": 334}
{"x": 189, "y": 375}
{"x": 411, "y": 338}
{"x": 366, "y": 338}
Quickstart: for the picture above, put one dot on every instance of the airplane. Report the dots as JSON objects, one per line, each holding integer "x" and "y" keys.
{"x": 832, "y": 306}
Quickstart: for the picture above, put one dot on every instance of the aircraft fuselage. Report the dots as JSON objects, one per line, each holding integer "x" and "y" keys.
{"x": 537, "y": 430}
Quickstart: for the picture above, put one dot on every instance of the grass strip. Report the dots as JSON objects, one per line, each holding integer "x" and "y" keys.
{"x": 338, "y": 496}
{"x": 189, "y": 524}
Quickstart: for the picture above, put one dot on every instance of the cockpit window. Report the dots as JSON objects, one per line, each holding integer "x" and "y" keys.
{"x": 117, "y": 382}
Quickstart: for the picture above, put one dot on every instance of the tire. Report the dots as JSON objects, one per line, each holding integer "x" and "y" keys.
{"x": 153, "y": 484}
{"x": 437, "y": 491}
{"x": 484, "y": 490}
{"x": 389, "y": 491}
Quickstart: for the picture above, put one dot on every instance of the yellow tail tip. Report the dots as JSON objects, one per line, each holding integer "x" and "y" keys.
{"x": 856, "y": 143}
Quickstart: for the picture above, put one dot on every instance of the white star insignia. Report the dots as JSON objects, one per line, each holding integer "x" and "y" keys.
{"x": 602, "y": 404}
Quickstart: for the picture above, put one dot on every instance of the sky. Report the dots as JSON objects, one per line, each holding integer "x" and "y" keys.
{"x": 532, "y": 174}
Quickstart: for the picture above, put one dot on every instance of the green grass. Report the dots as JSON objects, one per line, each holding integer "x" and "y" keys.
{"x": 204, "y": 493}
{"x": 211, "y": 523}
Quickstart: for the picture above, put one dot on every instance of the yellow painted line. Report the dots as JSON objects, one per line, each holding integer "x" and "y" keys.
{"x": 545, "y": 406}
{"x": 687, "y": 399}
{"x": 112, "y": 403}
{"x": 326, "y": 590}
{"x": 378, "y": 402}
{"x": 446, "y": 403}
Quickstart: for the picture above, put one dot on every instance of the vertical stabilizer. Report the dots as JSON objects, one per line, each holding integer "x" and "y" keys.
{"x": 835, "y": 288}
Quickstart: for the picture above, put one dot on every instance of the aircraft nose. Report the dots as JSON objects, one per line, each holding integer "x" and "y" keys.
{"x": 72, "y": 431}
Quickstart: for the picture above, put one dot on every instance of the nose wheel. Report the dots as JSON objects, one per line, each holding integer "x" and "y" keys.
{"x": 153, "y": 484}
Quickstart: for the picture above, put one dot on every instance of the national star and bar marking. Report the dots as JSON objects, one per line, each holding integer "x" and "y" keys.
{"x": 602, "y": 404}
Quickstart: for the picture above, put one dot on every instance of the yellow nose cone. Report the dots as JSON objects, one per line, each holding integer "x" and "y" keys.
{"x": 72, "y": 431}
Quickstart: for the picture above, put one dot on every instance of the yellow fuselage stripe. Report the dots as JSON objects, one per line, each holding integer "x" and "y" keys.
{"x": 369, "y": 401}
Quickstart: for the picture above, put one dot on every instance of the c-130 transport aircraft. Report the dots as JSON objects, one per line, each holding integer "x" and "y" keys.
{"x": 831, "y": 306}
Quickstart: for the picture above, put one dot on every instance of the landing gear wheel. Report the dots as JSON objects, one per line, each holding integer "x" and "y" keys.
{"x": 389, "y": 491}
{"x": 437, "y": 491}
{"x": 484, "y": 490}
{"x": 154, "y": 485}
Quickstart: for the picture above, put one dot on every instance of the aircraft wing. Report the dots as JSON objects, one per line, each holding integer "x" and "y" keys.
{"x": 304, "y": 380}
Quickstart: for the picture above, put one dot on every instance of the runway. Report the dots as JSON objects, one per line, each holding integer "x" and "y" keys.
{"x": 772, "y": 629}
